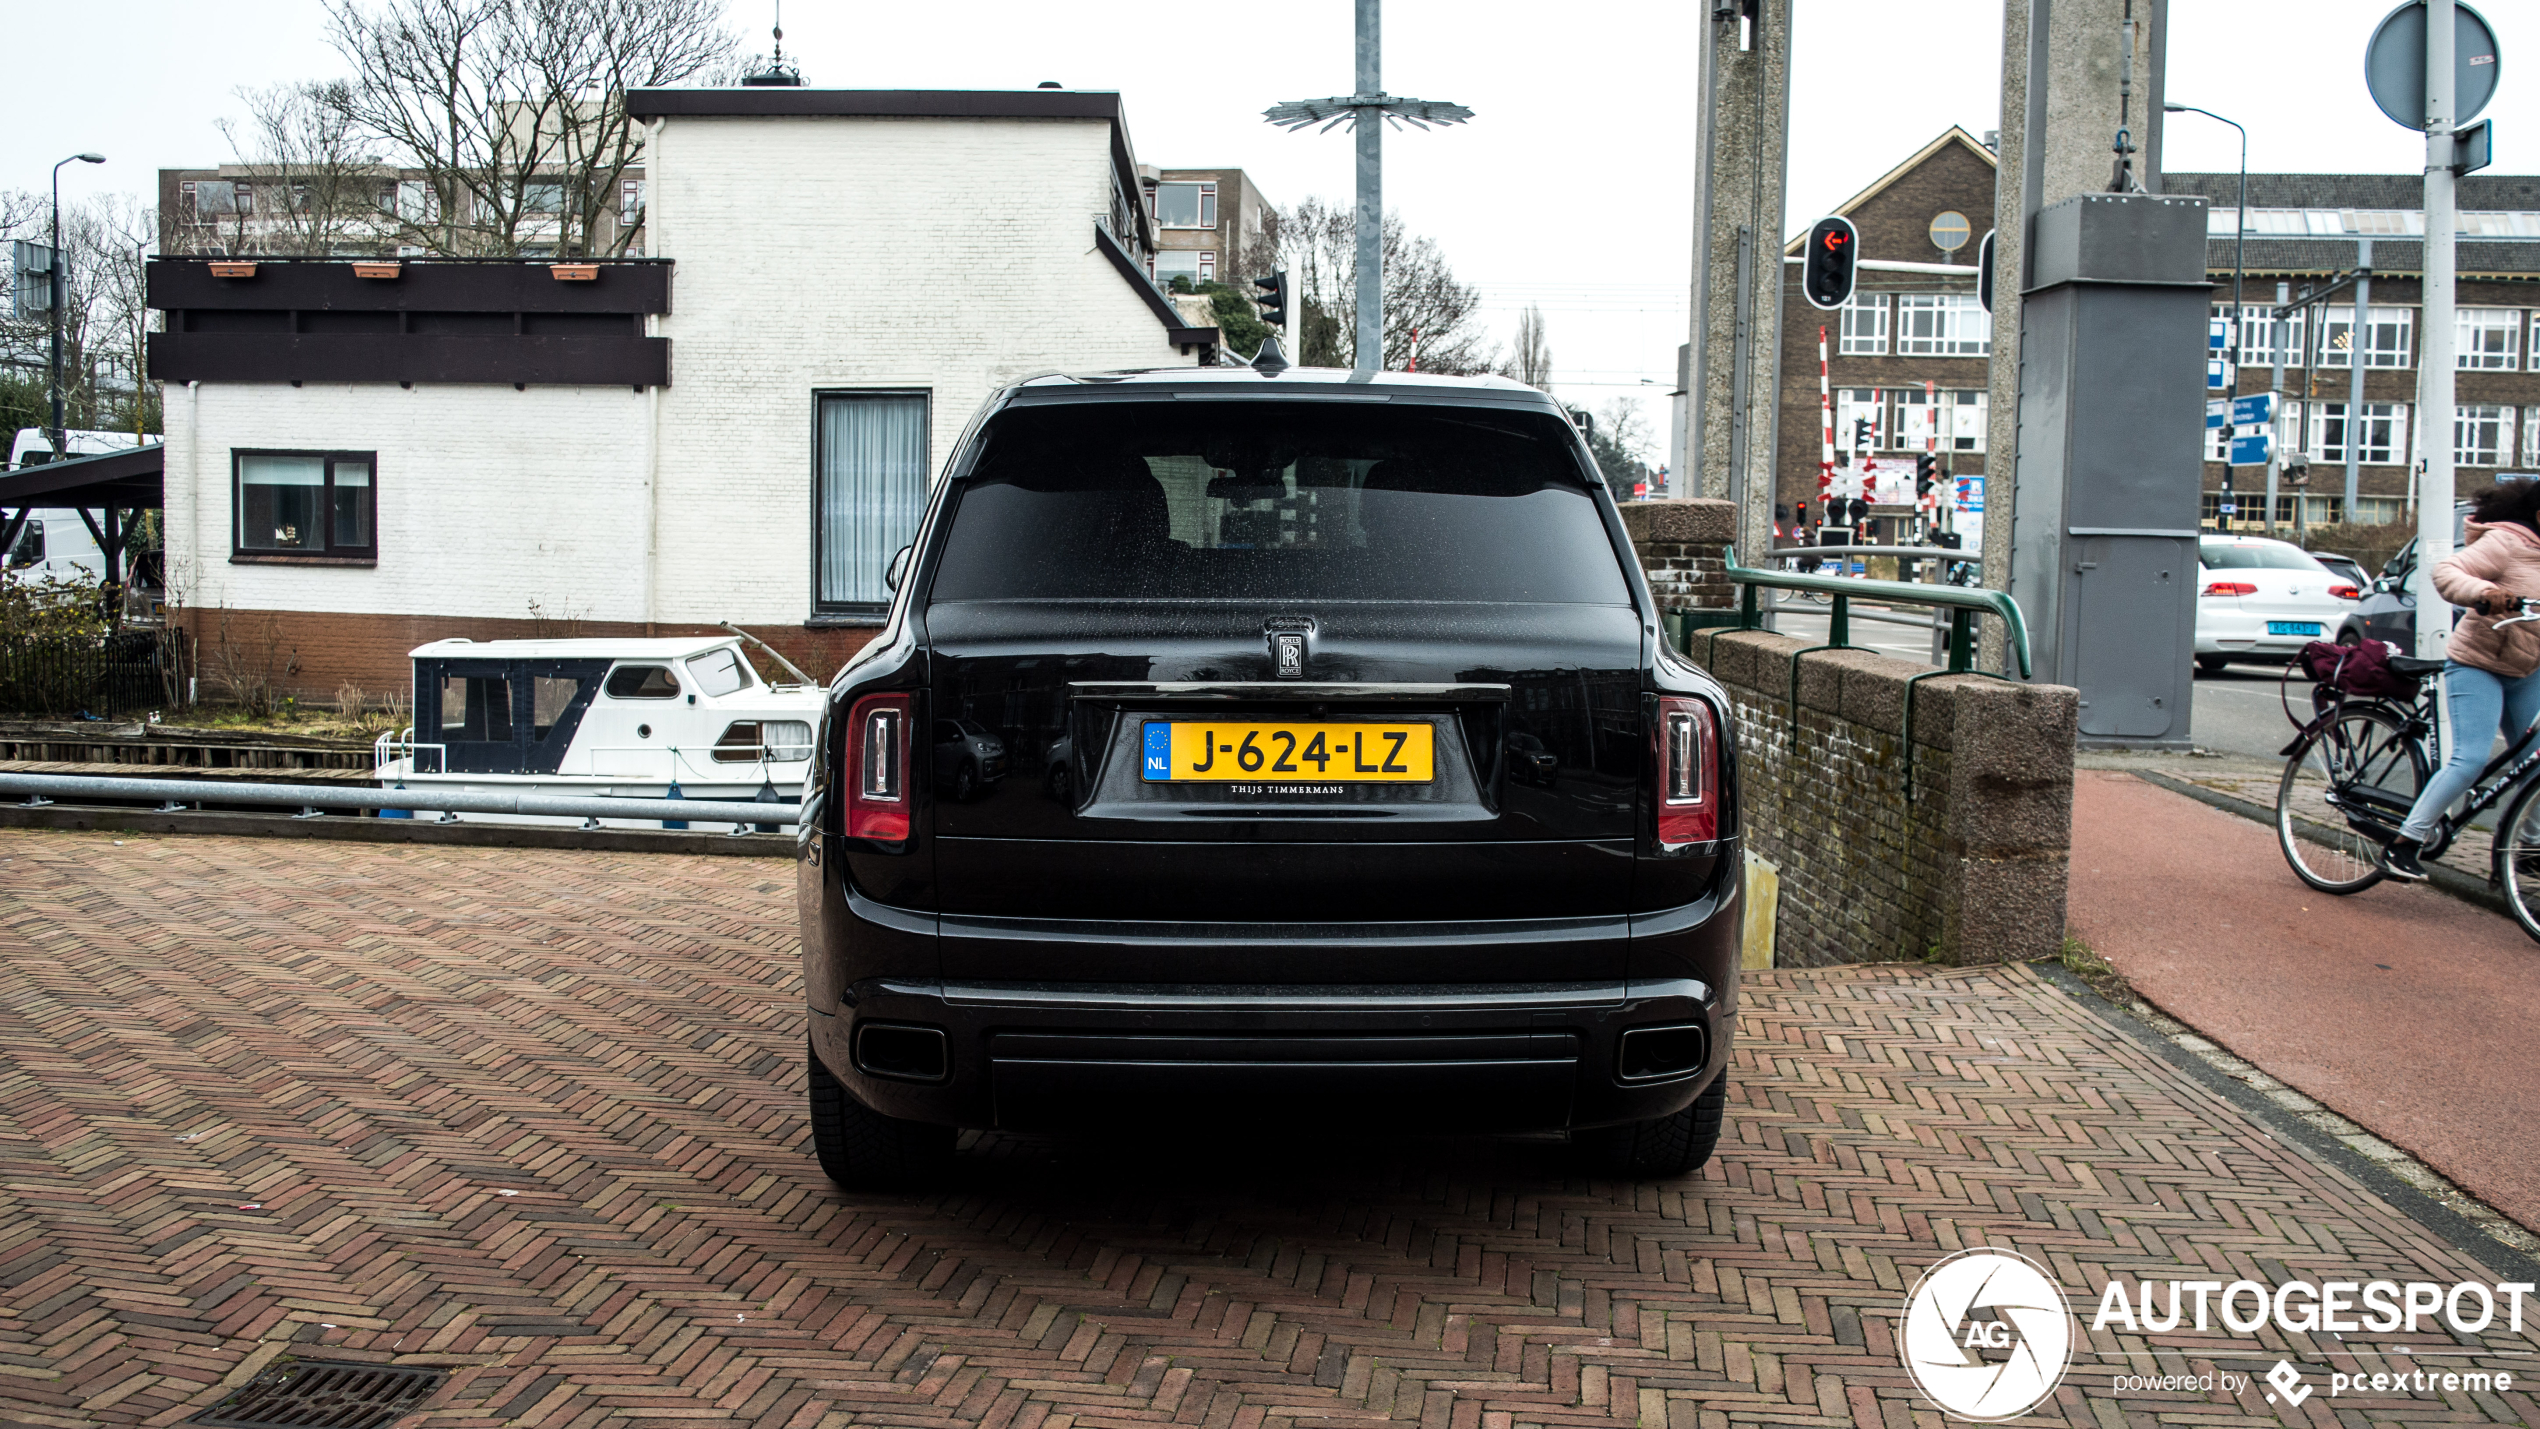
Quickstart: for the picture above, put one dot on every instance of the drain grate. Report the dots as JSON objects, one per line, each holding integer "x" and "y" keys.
{"x": 316, "y": 1394}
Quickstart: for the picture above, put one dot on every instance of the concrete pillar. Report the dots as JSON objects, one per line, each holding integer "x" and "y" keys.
{"x": 1743, "y": 143}
{"x": 2063, "y": 64}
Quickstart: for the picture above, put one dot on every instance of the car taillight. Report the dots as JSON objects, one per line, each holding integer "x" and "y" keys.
{"x": 876, "y": 773}
{"x": 2346, "y": 592}
{"x": 1687, "y": 761}
{"x": 2231, "y": 588}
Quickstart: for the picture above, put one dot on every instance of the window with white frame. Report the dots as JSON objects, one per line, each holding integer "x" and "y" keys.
{"x": 2381, "y": 433}
{"x": 1967, "y": 410}
{"x": 2530, "y": 447}
{"x": 1865, "y": 325}
{"x": 1185, "y": 205}
{"x": 1860, "y": 419}
{"x": 1171, "y": 263}
{"x": 1942, "y": 325}
{"x": 2489, "y": 339}
{"x": 2262, "y": 335}
{"x": 2482, "y": 435}
{"x": 2388, "y": 340}
{"x": 869, "y": 457}
{"x": 1918, "y": 418}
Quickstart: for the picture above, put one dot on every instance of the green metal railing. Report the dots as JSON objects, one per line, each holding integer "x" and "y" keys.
{"x": 1962, "y": 603}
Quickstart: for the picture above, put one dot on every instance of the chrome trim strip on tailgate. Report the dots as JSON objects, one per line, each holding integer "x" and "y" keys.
{"x": 1285, "y": 690}
{"x": 1342, "y": 998}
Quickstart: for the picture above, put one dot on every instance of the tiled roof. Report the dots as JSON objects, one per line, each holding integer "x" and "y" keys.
{"x": 2389, "y": 255}
{"x": 2407, "y": 191}
{"x": 2272, "y": 254}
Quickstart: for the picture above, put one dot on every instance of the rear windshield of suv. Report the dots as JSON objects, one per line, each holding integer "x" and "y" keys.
{"x": 1277, "y": 500}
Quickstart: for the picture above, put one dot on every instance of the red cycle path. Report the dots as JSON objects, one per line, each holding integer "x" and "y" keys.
{"x": 2403, "y": 1009}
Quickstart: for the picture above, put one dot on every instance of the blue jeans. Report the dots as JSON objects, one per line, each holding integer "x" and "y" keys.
{"x": 2482, "y": 704}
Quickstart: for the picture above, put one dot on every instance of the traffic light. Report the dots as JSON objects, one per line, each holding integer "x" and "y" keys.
{"x": 1984, "y": 272}
{"x": 1926, "y": 473}
{"x": 1861, "y": 434}
{"x": 1825, "y": 272}
{"x": 1273, "y": 298}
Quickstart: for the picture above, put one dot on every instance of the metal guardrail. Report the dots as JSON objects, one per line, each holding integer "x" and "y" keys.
{"x": 45, "y": 787}
{"x": 1964, "y": 604}
{"x": 1836, "y": 553}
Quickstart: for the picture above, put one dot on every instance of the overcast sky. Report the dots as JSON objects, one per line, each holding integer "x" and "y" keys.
{"x": 1572, "y": 187}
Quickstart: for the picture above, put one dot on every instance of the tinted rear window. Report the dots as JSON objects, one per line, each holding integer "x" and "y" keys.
{"x": 1285, "y": 500}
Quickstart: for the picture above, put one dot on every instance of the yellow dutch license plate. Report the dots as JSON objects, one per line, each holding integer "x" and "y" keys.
{"x": 1269, "y": 752}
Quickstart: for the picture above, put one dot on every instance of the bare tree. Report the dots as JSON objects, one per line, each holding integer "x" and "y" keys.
{"x": 514, "y": 111}
{"x": 1619, "y": 439}
{"x": 319, "y": 186}
{"x": 1530, "y": 357}
{"x": 108, "y": 239}
{"x": 1424, "y": 303}
{"x": 104, "y": 320}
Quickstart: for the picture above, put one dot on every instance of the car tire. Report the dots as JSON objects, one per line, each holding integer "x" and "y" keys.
{"x": 2212, "y": 664}
{"x": 1674, "y": 1145}
{"x": 965, "y": 782}
{"x": 2350, "y": 637}
{"x": 863, "y": 1150}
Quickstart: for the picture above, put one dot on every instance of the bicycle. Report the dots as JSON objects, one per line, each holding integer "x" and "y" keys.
{"x": 2369, "y": 756}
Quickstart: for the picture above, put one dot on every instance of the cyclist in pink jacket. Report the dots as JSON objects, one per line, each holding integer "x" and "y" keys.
{"x": 2488, "y": 674}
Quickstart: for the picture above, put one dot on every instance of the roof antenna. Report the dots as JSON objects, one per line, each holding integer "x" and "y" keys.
{"x": 778, "y": 73}
{"x": 1270, "y": 361}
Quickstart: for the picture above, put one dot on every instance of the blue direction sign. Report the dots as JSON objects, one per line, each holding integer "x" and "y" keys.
{"x": 2256, "y": 410}
{"x": 2219, "y": 375}
{"x": 2255, "y": 449}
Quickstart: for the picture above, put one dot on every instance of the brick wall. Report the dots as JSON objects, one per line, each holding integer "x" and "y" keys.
{"x": 1957, "y": 853}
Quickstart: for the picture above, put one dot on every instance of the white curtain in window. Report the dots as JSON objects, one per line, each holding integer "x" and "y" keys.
{"x": 872, "y": 491}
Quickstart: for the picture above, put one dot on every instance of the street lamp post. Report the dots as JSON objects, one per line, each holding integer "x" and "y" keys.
{"x": 60, "y": 442}
{"x": 2239, "y": 242}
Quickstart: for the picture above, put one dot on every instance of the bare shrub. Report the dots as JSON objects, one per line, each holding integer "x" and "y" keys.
{"x": 250, "y": 665}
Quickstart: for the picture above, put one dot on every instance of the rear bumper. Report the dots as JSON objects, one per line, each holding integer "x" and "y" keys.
{"x": 1458, "y": 1057}
{"x": 1523, "y": 1025}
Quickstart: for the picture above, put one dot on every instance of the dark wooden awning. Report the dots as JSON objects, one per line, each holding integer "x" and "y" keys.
{"x": 124, "y": 480}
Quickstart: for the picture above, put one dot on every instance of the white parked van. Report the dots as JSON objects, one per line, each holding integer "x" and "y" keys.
{"x": 55, "y": 541}
{"x": 645, "y": 719}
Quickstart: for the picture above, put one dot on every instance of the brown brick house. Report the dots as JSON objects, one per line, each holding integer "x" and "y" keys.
{"x": 2303, "y": 230}
{"x": 1908, "y": 355}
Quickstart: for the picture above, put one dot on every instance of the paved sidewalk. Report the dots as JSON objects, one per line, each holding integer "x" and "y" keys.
{"x": 2402, "y": 1008}
{"x": 534, "y": 1117}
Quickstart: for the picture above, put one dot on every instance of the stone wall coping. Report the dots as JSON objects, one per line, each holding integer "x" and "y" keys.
{"x": 1868, "y": 688}
{"x": 1693, "y": 520}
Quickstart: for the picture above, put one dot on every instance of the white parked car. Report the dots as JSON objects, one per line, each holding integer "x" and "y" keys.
{"x": 2263, "y": 599}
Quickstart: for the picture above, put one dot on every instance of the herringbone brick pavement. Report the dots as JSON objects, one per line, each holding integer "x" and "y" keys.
{"x": 536, "y": 1116}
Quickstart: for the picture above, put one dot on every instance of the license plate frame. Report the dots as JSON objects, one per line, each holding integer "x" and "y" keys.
{"x": 1403, "y": 752}
{"x": 2310, "y": 628}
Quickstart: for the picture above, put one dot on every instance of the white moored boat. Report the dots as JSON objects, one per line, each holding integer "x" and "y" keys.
{"x": 644, "y": 719}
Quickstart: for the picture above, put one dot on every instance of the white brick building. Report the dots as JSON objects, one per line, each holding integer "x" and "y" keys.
{"x": 740, "y": 427}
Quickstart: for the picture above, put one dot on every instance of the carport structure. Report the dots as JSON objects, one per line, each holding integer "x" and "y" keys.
{"x": 108, "y": 490}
